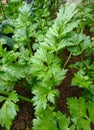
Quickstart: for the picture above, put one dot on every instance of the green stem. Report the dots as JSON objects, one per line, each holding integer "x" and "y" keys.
{"x": 19, "y": 96}
{"x": 25, "y": 98}
{"x": 28, "y": 40}
{"x": 67, "y": 60}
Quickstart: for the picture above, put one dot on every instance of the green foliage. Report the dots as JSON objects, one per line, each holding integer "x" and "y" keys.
{"x": 46, "y": 121}
{"x": 57, "y": 37}
{"x": 32, "y": 23}
{"x": 42, "y": 13}
{"x": 47, "y": 67}
{"x": 23, "y": 26}
{"x": 11, "y": 8}
{"x": 80, "y": 44}
{"x": 86, "y": 16}
{"x": 64, "y": 122}
{"x": 35, "y": 45}
{"x": 84, "y": 77}
{"x": 5, "y": 30}
{"x": 8, "y": 110}
{"x": 51, "y": 120}
{"x": 81, "y": 80}
{"x": 16, "y": 64}
{"x": 44, "y": 95}
{"x": 82, "y": 114}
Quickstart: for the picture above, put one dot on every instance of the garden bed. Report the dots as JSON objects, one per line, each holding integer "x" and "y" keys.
{"x": 46, "y": 65}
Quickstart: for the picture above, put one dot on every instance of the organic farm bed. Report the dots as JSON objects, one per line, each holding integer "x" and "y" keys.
{"x": 47, "y": 65}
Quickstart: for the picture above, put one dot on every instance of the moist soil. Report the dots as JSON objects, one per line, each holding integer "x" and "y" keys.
{"x": 65, "y": 89}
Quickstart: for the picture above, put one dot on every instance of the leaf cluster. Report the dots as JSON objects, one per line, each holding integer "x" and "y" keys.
{"x": 52, "y": 120}
{"x": 8, "y": 110}
{"x": 81, "y": 115}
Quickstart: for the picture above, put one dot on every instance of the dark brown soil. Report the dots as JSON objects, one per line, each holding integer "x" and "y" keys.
{"x": 26, "y": 113}
{"x": 66, "y": 90}
{"x": 24, "y": 117}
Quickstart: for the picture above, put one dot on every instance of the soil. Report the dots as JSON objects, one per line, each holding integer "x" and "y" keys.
{"x": 65, "y": 89}
{"x": 26, "y": 113}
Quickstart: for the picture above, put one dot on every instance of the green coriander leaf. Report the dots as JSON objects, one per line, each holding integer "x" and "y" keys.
{"x": 8, "y": 111}
{"x": 64, "y": 122}
{"x": 46, "y": 121}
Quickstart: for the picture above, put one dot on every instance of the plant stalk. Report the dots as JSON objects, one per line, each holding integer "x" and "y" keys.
{"x": 25, "y": 98}
{"x": 67, "y": 60}
{"x": 19, "y": 96}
